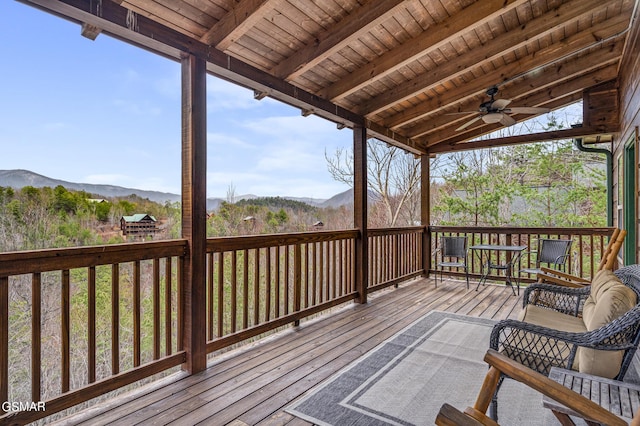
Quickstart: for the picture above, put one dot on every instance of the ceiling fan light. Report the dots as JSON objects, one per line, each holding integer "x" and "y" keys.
{"x": 492, "y": 117}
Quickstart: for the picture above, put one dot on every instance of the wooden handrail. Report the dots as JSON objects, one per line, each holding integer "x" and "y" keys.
{"x": 298, "y": 274}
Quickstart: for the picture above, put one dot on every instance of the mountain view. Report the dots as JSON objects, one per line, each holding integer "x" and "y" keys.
{"x": 20, "y": 178}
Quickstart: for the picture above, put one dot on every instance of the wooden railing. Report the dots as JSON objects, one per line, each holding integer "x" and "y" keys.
{"x": 99, "y": 317}
{"x": 395, "y": 254}
{"x": 586, "y": 250}
{"x": 259, "y": 283}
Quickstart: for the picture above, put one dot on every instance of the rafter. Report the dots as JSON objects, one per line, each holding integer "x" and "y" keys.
{"x": 596, "y": 76}
{"x": 471, "y": 17}
{"x": 339, "y": 36}
{"x": 579, "y": 132}
{"x": 477, "y": 87}
{"x": 433, "y": 130}
{"x": 237, "y": 22}
{"x": 507, "y": 42}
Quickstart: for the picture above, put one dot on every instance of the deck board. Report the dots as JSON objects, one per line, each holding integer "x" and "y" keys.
{"x": 252, "y": 385}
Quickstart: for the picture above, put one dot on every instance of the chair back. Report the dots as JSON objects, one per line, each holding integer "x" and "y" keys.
{"x": 554, "y": 252}
{"x": 610, "y": 255}
{"x": 630, "y": 276}
{"x": 454, "y": 247}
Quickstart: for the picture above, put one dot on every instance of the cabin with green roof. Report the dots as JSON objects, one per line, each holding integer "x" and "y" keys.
{"x": 138, "y": 224}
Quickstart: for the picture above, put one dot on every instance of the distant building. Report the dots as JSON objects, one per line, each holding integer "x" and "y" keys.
{"x": 138, "y": 224}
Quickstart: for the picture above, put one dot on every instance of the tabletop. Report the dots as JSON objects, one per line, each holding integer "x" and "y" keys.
{"x": 498, "y": 247}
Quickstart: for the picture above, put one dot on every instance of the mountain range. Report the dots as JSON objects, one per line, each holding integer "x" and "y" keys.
{"x": 20, "y": 178}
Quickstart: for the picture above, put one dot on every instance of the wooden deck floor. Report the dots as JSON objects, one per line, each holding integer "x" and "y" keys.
{"x": 251, "y": 386}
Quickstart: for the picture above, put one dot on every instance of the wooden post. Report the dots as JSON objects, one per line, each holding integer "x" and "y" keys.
{"x": 425, "y": 212}
{"x": 360, "y": 211}
{"x": 194, "y": 213}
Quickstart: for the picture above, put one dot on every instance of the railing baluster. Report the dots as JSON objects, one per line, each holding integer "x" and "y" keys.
{"x": 180, "y": 304}
{"x": 156, "y": 308}
{"x": 168, "y": 278}
{"x": 136, "y": 315}
{"x": 297, "y": 279}
{"x": 287, "y": 253}
{"x": 314, "y": 275}
{"x": 91, "y": 326}
{"x": 267, "y": 297}
{"x": 65, "y": 307}
{"x": 256, "y": 288}
{"x": 245, "y": 288}
{"x": 220, "y": 289}
{"x": 115, "y": 318}
{"x": 36, "y": 335}
{"x": 211, "y": 295}
{"x": 234, "y": 290}
{"x": 4, "y": 338}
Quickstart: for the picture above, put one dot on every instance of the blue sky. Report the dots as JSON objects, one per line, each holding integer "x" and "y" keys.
{"x": 106, "y": 112}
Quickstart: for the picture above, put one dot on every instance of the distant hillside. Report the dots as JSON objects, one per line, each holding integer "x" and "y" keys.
{"x": 21, "y": 178}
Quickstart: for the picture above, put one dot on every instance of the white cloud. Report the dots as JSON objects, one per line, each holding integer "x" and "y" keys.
{"x": 227, "y": 140}
{"x": 225, "y": 96}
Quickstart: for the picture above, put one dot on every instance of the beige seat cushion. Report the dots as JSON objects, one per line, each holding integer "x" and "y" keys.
{"x": 547, "y": 318}
{"x": 609, "y": 299}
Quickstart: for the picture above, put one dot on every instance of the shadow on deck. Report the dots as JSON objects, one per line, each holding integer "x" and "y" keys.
{"x": 252, "y": 385}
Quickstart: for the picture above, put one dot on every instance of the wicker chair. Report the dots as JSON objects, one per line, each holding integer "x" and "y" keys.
{"x": 541, "y": 348}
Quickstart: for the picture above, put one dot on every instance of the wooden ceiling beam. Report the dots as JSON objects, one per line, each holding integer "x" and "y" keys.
{"x": 578, "y": 132}
{"x": 433, "y": 38}
{"x": 337, "y": 37}
{"x": 542, "y": 61}
{"x": 497, "y": 47}
{"x": 436, "y": 129}
{"x": 235, "y": 23}
{"x": 387, "y": 135}
{"x": 174, "y": 19}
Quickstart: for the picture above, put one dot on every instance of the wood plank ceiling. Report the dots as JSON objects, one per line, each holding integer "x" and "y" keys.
{"x": 406, "y": 66}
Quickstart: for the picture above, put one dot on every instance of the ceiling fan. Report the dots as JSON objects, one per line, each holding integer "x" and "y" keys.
{"x": 495, "y": 111}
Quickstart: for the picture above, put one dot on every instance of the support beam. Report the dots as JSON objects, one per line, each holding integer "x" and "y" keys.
{"x": 578, "y": 132}
{"x": 360, "y": 211}
{"x": 425, "y": 211}
{"x": 194, "y": 213}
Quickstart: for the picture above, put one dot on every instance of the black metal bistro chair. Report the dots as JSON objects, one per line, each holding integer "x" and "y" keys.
{"x": 553, "y": 253}
{"x": 453, "y": 254}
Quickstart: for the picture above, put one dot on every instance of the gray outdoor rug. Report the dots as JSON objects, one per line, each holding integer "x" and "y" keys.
{"x": 406, "y": 379}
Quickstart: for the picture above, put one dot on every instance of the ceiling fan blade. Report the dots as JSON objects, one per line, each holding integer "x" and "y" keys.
{"x": 507, "y": 120}
{"x": 468, "y": 123}
{"x": 526, "y": 110}
{"x": 500, "y": 103}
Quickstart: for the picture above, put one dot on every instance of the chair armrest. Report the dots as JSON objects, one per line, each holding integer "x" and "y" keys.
{"x": 562, "y": 299}
{"x": 502, "y": 365}
{"x": 546, "y": 386}
{"x": 451, "y": 416}
{"x": 561, "y": 277}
